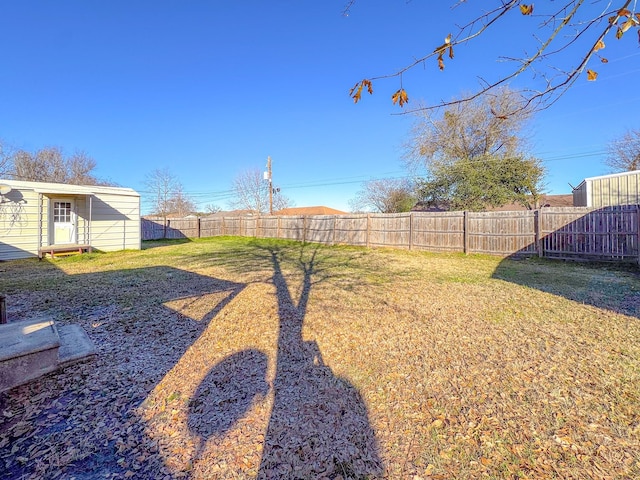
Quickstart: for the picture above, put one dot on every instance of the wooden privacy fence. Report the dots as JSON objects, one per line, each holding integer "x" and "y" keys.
{"x": 610, "y": 234}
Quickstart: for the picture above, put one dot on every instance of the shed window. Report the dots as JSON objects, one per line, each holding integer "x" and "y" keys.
{"x": 62, "y": 212}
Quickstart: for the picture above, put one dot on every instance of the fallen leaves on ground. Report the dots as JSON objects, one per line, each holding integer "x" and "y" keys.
{"x": 239, "y": 358}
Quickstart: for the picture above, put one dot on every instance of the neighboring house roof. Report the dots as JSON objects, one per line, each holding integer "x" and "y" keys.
{"x": 564, "y": 200}
{"x": 232, "y": 213}
{"x": 319, "y": 210}
{"x": 425, "y": 207}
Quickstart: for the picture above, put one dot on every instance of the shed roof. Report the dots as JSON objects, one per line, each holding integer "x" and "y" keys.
{"x": 66, "y": 189}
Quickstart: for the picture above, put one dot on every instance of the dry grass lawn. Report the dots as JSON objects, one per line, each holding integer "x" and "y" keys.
{"x": 243, "y": 358}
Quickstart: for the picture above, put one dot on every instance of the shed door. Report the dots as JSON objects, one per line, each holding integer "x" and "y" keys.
{"x": 64, "y": 222}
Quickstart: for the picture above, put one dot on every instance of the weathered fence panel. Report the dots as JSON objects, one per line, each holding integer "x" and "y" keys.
{"x": 292, "y": 228}
{"x": 320, "y": 229}
{"x": 250, "y": 227}
{"x": 212, "y": 227}
{"x": 233, "y": 226}
{"x": 269, "y": 227}
{"x": 611, "y": 234}
{"x": 182, "y": 228}
{"x": 152, "y": 228}
{"x": 438, "y": 231}
{"x": 351, "y": 230}
{"x": 390, "y": 230}
{"x": 501, "y": 233}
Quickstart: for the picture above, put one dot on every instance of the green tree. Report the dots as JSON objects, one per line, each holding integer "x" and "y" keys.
{"x": 474, "y": 155}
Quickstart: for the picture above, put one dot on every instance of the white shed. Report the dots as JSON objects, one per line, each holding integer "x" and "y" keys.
{"x": 608, "y": 190}
{"x": 38, "y": 218}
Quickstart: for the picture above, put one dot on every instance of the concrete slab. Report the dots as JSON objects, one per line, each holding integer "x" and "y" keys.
{"x": 26, "y": 337}
{"x": 28, "y": 350}
{"x": 32, "y": 348}
{"x": 75, "y": 345}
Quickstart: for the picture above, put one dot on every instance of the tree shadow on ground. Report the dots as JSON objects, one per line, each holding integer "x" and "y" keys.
{"x": 608, "y": 286}
{"x": 226, "y": 394}
{"x": 84, "y": 421}
{"x": 319, "y": 425}
{"x": 590, "y": 257}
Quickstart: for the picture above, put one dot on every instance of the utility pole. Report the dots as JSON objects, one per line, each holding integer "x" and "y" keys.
{"x": 270, "y": 186}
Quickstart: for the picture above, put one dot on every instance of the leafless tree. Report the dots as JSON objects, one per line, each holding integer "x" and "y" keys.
{"x": 482, "y": 127}
{"x": 46, "y": 165}
{"x": 624, "y": 152}
{"x": 211, "y": 208}
{"x": 390, "y": 195}
{"x": 163, "y": 186}
{"x": 79, "y": 167}
{"x": 251, "y": 192}
{"x": 180, "y": 204}
{"x": 50, "y": 165}
{"x": 5, "y": 160}
{"x": 565, "y": 38}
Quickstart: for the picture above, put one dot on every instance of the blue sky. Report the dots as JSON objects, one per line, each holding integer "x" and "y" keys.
{"x": 208, "y": 89}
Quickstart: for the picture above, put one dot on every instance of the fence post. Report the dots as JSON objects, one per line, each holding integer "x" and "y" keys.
{"x": 410, "y": 231}
{"x": 537, "y": 225}
{"x": 335, "y": 221}
{"x": 638, "y": 231}
{"x": 304, "y": 229}
{"x": 3, "y": 309}
{"x": 278, "y": 227}
{"x": 465, "y": 232}
{"x": 199, "y": 230}
{"x": 368, "y": 228}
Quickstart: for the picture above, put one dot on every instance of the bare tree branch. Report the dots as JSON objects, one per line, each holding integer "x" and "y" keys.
{"x": 6, "y": 164}
{"x": 619, "y": 18}
{"x": 624, "y": 152}
{"x": 50, "y": 165}
{"x": 252, "y": 193}
{"x": 389, "y": 195}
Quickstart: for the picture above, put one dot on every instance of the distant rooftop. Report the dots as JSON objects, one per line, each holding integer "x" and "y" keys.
{"x": 319, "y": 210}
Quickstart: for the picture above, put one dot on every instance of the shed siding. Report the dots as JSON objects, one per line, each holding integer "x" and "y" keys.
{"x": 580, "y": 195}
{"x": 608, "y": 190}
{"x": 614, "y": 190}
{"x": 116, "y": 222}
{"x": 19, "y": 225}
